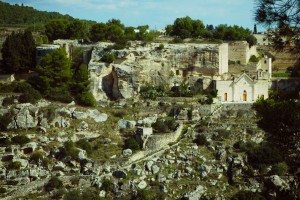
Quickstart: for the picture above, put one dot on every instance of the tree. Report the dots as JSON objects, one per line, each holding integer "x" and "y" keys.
{"x": 280, "y": 118}
{"x": 56, "y": 29}
{"x": 283, "y": 17}
{"x": 129, "y": 33}
{"x": 251, "y": 40}
{"x": 81, "y": 87}
{"x": 18, "y": 53}
{"x": 183, "y": 27}
{"x": 98, "y": 32}
{"x": 169, "y": 29}
{"x": 75, "y": 29}
{"x": 115, "y": 22}
{"x": 55, "y": 75}
{"x": 114, "y": 33}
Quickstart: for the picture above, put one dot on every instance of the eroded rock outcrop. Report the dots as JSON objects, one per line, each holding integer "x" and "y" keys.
{"x": 149, "y": 64}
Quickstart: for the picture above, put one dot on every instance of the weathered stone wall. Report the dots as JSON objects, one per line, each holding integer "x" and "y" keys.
{"x": 240, "y": 51}
{"x": 159, "y": 141}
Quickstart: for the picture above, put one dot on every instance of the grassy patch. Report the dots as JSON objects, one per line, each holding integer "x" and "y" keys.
{"x": 281, "y": 75}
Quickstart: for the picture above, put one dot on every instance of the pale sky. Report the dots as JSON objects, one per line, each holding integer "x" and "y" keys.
{"x": 155, "y": 13}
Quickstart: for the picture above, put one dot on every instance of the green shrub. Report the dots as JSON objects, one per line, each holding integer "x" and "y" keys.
{"x": 70, "y": 149}
{"x": 279, "y": 169}
{"x": 5, "y": 141}
{"x": 153, "y": 193}
{"x": 85, "y": 145}
{"x": 73, "y": 195}
{"x": 244, "y": 146}
{"x": 2, "y": 190}
{"x": 7, "y": 101}
{"x": 253, "y": 59}
{"x": 177, "y": 40}
{"x": 58, "y": 194}
{"x": 161, "y": 47}
{"x": 222, "y": 135}
{"x": 164, "y": 125}
{"x": 60, "y": 94}
{"x": 90, "y": 194}
{"x": 86, "y": 99}
{"x": 20, "y": 139}
{"x": 132, "y": 144}
{"x": 160, "y": 127}
{"x": 31, "y": 96}
{"x": 15, "y": 165}
{"x": 264, "y": 154}
{"x": 36, "y": 157}
{"x": 149, "y": 91}
{"x": 6, "y": 88}
{"x": 107, "y": 185}
{"x": 247, "y": 195}
{"x": 22, "y": 87}
{"x": 5, "y": 120}
{"x": 53, "y": 183}
{"x": 108, "y": 57}
{"x": 201, "y": 140}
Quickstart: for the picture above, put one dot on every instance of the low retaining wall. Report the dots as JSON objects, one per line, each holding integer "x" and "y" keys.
{"x": 159, "y": 141}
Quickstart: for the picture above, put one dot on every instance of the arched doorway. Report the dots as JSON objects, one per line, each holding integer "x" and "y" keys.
{"x": 245, "y": 95}
{"x": 225, "y": 96}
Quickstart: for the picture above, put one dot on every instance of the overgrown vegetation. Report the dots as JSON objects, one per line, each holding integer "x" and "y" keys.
{"x": 164, "y": 125}
{"x": 280, "y": 118}
{"x": 53, "y": 183}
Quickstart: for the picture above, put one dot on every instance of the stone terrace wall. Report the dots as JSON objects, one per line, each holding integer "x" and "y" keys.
{"x": 159, "y": 141}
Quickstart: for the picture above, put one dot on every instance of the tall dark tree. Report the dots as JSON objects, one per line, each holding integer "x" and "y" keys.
{"x": 280, "y": 119}
{"x": 282, "y": 16}
{"x": 18, "y": 53}
{"x": 55, "y": 76}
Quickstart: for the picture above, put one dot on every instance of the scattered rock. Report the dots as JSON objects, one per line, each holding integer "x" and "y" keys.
{"x": 142, "y": 185}
{"x": 102, "y": 193}
{"x": 127, "y": 152}
{"x": 155, "y": 169}
{"x": 106, "y": 141}
{"x": 122, "y": 123}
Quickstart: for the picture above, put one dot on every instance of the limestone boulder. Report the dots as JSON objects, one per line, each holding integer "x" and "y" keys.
{"x": 142, "y": 185}
{"x": 122, "y": 123}
{"x": 24, "y": 117}
{"x": 196, "y": 194}
{"x": 97, "y": 116}
{"x": 79, "y": 115}
{"x": 127, "y": 152}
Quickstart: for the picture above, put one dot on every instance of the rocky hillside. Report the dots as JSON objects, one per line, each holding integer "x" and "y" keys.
{"x": 151, "y": 63}
{"x": 57, "y": 151}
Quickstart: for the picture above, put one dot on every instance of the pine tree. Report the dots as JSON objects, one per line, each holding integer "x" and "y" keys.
{"x": 18, "y": 53}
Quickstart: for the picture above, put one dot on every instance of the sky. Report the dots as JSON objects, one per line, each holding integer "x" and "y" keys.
{"x": 155, "y": 13}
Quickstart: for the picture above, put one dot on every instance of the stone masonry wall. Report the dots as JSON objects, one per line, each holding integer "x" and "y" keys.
{"x": 159, "y": 141}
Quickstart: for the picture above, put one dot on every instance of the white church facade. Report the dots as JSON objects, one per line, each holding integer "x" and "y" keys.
{"x": 242, "y": 89}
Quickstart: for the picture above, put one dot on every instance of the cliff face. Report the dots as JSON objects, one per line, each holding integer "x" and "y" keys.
{"x": 149, "y": 64}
